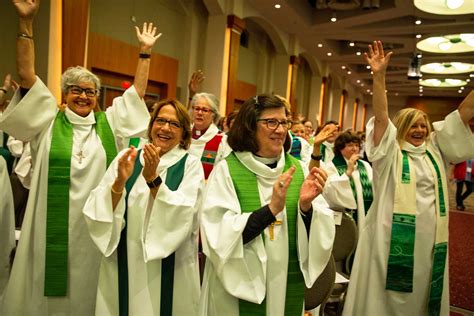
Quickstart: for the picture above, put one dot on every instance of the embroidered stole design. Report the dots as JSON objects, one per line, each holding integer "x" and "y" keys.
{"x": 367, "y": 194}
{"x": 174, "y": 176}
{"x": 402, "y": 244}
{"x": 296, "y": 148}
{"x": 245, "y": 183}
{"x": 57, "y": 216}
{"x": 209, "y": 154}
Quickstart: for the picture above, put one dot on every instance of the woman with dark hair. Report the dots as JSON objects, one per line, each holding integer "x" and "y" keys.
{"x": 349, "y": 184}
{"x": 267, "y": 231}
{"x": 401, "y": 263}
{"x": 143, "y": 218}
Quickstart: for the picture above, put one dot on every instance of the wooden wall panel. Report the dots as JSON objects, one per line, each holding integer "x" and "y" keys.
{"x": 75, "y": 28}
{"x": 109, "y": 57}
{"x": 236, "y": 25}
{"x": 436, "y": 108}
{"x": 244, "y": 91}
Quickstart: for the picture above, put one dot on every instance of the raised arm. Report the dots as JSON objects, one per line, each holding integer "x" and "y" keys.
{"x": 327, "y": 132}
{"x": 147, "y": 40}
{"x": 194, "y": 84}
{"x": 378, "y": 62}
{"x": 466, "y": 108}
{"x": 25, "y": 48}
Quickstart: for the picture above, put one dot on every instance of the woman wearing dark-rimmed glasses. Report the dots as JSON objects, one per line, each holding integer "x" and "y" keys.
{"x": 266, "y": 230}
{"x": 57, "y": 265}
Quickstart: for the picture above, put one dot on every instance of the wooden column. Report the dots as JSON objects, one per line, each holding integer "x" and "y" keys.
{"x": 292, "y": 76}
{"x": 75, "y": 32}
{"x": 342, "y": 108}
{"x": 354, "y": 115}
{"x": 364, "y": 114}
{"x": 322, "y": 100}
{"x": 236, "y": 26}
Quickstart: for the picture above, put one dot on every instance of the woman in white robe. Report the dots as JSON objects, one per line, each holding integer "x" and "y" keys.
{"x": 31, "y": 117}
{"x": 248, "y": 248}
{"x": 339, "y": 192}
{"x": 451, "y": 141}
{"x": 157, "y": 221}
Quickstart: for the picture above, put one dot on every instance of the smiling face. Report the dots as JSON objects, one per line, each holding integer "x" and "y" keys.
{"x": 202, "y": 114}
{"x": 270, "y": 141}
{"x": 334, "y": 135}
{"x": 309, "y": 128}
{"x": 77, "y": 99}
{"x": 350, "y": 149}
{"x": 298, "y": 130}
{"x": 166, "y": 130}
{"x": 417, "y": 133}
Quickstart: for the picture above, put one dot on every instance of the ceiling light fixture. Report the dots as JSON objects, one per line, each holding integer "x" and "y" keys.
{"x": 349, "y": 72}
{"x": 368, "y": 67}
{"x": 358, "y": 81}
{"x": 452, "y": 43}
{"x": 343, "y": 67}
{"x": 333, "y": 18}
{"x": 454, "y": 4}
{"x": 329, "y": 54}
{"x": 418, "y": 22}
{"x": 351, "y": 44}
{"x": 418, "y": 36}
{"x": 358, "y": 53}
{"x": 277, "y": 6}
{"x": 320, "y": 45}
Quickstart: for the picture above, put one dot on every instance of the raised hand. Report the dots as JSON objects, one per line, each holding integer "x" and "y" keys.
{"x": 376, "y": 57}
{"x": 351, "y": 164}
{"x": 26, "y": 9}
{"x": 312, "y": 186}
{"x": 278, "y": 201}
{"x": 147, "y": 37}
{"x": 151, "y": 155}
{"x": 327, "y": 132}
{"x": 125, "y": 167}
{"x": 195, "y": 82}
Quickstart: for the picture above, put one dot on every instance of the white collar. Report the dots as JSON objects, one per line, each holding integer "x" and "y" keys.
{"x": 258, "y": 164}
{"x": 413, "y": 149}
{"x": 79, "y": 120}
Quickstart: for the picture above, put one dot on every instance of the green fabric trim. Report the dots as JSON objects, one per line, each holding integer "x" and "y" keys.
{"x": 322, "y": 150}
{"x": 437, "y": 278}
{"x": 442, "y": 204}
{"x": 57, "y": 217}
{"x": 245, "y": 183}
{"x": 405, "y": 168}
{"x": 135, "y": 141}
{"x": 401, "y": 258}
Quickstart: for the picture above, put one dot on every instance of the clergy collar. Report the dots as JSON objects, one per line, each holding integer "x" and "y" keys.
{"x": 412, "y": 149}
{"x": 258, "y": 165}
{"x": 198, "y": 133}
{"x": 79, "y": 120}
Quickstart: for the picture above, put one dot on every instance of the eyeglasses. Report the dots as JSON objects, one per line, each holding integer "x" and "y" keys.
{"x": 76, "y": 90}
{"x": 273, "y": 123}
{"x": 203, "y": 110}
{"x": 162, "y": 122}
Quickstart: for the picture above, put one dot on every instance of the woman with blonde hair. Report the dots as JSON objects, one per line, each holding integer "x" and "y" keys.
{"x": 401, "y": 263}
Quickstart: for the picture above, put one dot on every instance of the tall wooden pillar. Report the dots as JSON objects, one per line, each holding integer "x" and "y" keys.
{"x": 322, "y": 100}
{"x": 364, "y": 114}
{"x": 75, "y": 32}
{"x": 236, "y": 26}
{"x": 354, "y": 114}
{"x": 292, "y": 76}
{"x": 342, "y": 108}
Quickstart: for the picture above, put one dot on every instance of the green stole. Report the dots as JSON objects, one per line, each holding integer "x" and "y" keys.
{"x": 245, "y": 183}
{"x": 402, "y": 244}
{"x": 174, "y": 176}
{"x": 57, "y": 216}
{"x": 367, "y": 194}
{"x": 322, "y": 149}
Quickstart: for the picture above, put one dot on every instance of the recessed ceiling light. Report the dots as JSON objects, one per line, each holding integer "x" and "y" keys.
{"x": 459, "y": 91}
{"x": 320, "y": 45}
{"x": 277, "y": 6}
{"x": 358, "y": 81}
{"x": 343, "y": 67}
{"x": 361, "y": 84}
{"x": 396, "y": 94}
{"x": 368, "y": 67}
{"x": 419, "y": 55}
{"x": 358, "y": 53}
{"x": 349, "y": 72}
{"x": 418, "y": 36}
{"x": 333, "y": 18}
{"x": 462, "y": 88}
{"x": 418, "y": 22}
{"x": 468, "y": 80}
{"x": 421, "y": 94}
{"x": 371, "y": 93}
{"x": 368, "y": 90}
{"x": 371, "y": 72}
{"x": 329, "y": 54}
{"x": 351, "y": 44}
{"x": 471, "y": 75}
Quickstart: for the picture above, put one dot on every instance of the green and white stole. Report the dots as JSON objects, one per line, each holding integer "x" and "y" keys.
{"x": 174, "y": 176}
{"x": 367, "y": 194}
{"x": 57, "y": 217}
{"x": 245, "y": 183}
{"x": 322, "y": 150}
{"x": 402, "y": 244}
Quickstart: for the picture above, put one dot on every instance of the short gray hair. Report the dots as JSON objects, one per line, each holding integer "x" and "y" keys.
{"x": 211, "y": 100}
{"x": 75, "y": 75}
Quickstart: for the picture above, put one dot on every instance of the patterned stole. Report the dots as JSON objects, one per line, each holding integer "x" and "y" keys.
{"x": 57, "y": 214}
{"x": 245, "y": 183}
{"x": 174, "y": 176}
{"x": 209, "y": 154}
{"x": 402, "y": 244}
{"x": 367, "y": 194}
{"x": 296, "y": 148}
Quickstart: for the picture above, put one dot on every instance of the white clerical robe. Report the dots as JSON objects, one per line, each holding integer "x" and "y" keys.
{"x": 31, "y": 119}
{"x": 338, "y": 191}
{"x": 256, "y": 270}
{"x": 197, "y": 145}
{"x": 7, "y": 224}
{"x": 156, "y": 228}
{"x": 452, "y": 141}
{"x": 328, "y": 152}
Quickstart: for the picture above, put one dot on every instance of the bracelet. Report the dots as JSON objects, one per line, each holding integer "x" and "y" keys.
{"x": 155, "y": 183}
{"x": 25, "y": 36}
{"x": 317, "y": 158}
{"x": 144, "y": 55}
{"x": 115, "y": 192}
{"x": 4, "y": 90}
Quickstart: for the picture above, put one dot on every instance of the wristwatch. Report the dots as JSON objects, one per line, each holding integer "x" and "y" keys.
{"x": 155, "y": 183}
{"x": 317, "y": 158}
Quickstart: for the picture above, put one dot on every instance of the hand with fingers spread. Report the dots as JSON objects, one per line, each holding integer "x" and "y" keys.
{"x": 124, "y": 169}
{"x": 280, "y": 187}
{"x": 147, "y": 37}
{"x": 328, "y": 131}
{"x": 26, "y": 8}
{"x": 195, "y": 82}
{"x": 151, "y": 155}
{"x": 376, "y": 58}
{"x": 312, "y": 186}
{"x": 351, "y": 164}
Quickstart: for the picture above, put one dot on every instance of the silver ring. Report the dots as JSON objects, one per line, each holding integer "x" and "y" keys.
{"x": 281, "y": 184}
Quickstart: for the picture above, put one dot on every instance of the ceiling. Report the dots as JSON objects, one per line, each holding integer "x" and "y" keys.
{"x": 393, "y": 22}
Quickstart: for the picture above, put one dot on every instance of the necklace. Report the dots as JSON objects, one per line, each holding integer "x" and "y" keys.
{"x": 80, "y": 154}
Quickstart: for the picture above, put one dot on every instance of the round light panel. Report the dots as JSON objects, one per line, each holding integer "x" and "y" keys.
{"x": 443, "y": 83}
{"x": 447, "y": 68}
{"x": 448, "y": 44}
{"x": 445, "y": 7}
